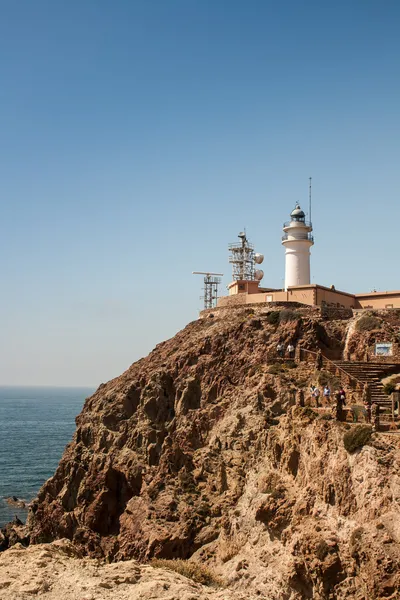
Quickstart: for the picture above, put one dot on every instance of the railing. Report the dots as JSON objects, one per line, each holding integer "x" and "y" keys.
{"x": 289, "y": 223}
{"x": 333, "y": 368}
{"x": 306, "y": 236}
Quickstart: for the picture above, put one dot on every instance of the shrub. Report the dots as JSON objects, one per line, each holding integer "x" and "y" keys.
{"x": 290, "y": 364}
{"x": 368, "y": 323}
{"x": 273, "y": 317}
{"x": 230, "y": 547}
{"x": 324, "y": 377}
{"x": 191, "y": 570}
{"x": 288, "y": 315}
{"x": 357, "y": 437}
{"x": 275, "y": 369}
{"x": 389, "y": 388}
{"x": 326, "y": 417}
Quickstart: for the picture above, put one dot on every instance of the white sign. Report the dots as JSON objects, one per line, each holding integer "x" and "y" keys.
{"x": 384, "y": 349}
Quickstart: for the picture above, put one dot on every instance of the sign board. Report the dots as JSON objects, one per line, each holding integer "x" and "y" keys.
{"x": 384, "y": 349}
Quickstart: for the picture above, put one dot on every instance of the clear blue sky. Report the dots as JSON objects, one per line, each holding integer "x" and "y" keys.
{"x": 139, "y": 137}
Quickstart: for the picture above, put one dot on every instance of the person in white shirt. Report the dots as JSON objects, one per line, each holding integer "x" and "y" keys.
{"x": 316, "y": 394}
{"x": 290, "y": 350}
{"x": 327, "y": 392}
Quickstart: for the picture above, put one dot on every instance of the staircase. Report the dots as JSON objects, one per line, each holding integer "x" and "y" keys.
{"x": 357, "y": 373}
{"x": 372, "y": 373}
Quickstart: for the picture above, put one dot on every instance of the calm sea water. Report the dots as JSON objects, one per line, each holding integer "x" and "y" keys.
{"x": 35, "y": 426}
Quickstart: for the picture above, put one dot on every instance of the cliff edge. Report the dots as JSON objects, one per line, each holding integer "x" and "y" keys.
{"x": 199, "y": 452}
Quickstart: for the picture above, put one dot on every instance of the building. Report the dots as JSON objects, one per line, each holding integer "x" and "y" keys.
{"x": 297, "y": 240}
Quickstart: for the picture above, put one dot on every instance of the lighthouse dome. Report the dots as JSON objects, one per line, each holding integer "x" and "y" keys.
{"x": 297, "y": 214}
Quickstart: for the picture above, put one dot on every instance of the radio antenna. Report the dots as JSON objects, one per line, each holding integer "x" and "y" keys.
{"x": 309, "y": 199}
{"x": 211, "y": 283}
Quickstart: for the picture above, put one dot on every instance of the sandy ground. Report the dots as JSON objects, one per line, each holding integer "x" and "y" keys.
{"x": 53, "y": 572}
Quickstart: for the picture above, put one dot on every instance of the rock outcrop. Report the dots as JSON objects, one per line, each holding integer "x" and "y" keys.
{"x": 199, "y": 452}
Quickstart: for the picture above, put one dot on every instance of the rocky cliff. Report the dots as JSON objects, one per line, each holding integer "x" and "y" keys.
{"x": 199, "y": 452}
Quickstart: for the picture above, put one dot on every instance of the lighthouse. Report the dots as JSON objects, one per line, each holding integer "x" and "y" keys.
{"x": 297, "y": 240}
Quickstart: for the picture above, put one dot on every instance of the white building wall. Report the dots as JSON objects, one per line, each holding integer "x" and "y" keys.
{"x": 297, "y": 267}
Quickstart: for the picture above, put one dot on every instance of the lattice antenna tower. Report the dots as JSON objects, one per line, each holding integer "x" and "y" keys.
{"x": 211, "y": 283}
{"x": 242, "y": 259}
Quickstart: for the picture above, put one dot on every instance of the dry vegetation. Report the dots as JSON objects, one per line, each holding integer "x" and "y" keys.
{"x": 368, "y": 323}
{"x": 191, "y": 570}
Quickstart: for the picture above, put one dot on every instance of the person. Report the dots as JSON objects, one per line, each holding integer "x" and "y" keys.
{"x": 316, "y": 394}
{"x": 340, "y": 402}
{"x": 343, "y": 395}
{"x": 318, "y": 361}
{"x": 280, "y": 349}
{"x": 375, "y": 416}
{"x": 290, "y": 350}
{"x": 327, "y": 392}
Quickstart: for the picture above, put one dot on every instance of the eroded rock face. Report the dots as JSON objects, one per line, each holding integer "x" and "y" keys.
{"x": 198, "y": 452}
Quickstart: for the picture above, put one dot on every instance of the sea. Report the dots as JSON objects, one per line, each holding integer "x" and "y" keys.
{"x": 36, "y": 423}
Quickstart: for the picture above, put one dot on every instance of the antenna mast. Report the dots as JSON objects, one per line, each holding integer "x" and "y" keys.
{"x": 309, "y": 200}
{"x": 211, "y": 283}
{"x": 242, "y": 259}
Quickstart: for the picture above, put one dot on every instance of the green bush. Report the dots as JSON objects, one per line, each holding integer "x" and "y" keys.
{"x": 368, "y": 323}
{"x": 288, "y": 315}
{"x": 278, "y": 368}
{"x": 192, "y": 570}
{"x": 273, "y": 317}
{"x": 357, "y": 437}
{"x": 389, "y": 388}
{"x": 290, "y": 364}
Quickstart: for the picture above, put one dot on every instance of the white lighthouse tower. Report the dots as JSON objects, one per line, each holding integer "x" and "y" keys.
{"x": 297, "y": 240}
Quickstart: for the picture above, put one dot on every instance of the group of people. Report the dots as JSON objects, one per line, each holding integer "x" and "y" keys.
{"x": 289, "y": 350}
{"x": 371, "y": 409}
{"x": 326, "y": 393}
{"x": 340, "y": 399}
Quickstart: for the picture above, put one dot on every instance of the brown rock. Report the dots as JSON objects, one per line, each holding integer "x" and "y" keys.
{"x": 198, "y": 452}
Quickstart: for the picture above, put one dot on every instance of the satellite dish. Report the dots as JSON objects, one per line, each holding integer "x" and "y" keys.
{"x": 259, "y": 274}
{"x": 258, "y": 258}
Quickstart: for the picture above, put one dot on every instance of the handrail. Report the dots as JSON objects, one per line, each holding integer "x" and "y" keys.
{"x": 331, "y": 362}
{"x": 306, "y": 236}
